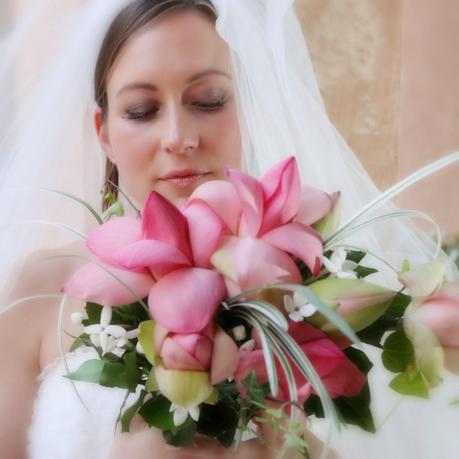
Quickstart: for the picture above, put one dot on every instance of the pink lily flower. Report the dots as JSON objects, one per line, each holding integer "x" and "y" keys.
{"x": 340, "y": 376}
{"x": 270, "y": 218}
{"x": 183, "y": 295}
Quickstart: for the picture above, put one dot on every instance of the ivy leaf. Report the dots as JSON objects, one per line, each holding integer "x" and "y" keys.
{"x": 256, "y": 391}
{"x": 411, "y": 382}
{"x": 181, "y": 436}
{"x": 156, "y": 413}
{"x": 219, "y": 421}
{"x": 398, "y": 352}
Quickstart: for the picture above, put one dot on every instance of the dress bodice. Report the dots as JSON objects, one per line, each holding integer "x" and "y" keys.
{"x": 63, "y": 427}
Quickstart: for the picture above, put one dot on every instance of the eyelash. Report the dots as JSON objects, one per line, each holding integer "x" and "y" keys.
{"x": 149, "y": 113}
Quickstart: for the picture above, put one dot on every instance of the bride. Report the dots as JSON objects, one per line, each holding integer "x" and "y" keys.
{"x": 182, "y": 88}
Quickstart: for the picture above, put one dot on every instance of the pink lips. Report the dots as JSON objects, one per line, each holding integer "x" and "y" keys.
{"x": 184, "y": 178}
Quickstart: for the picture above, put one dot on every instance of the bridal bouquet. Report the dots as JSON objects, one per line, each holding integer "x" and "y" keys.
{"x": 240, "y": 309}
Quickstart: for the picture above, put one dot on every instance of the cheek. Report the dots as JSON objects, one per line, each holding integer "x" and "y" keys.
{"x": 133, "y": 145}
{"x": 224, "y": 134}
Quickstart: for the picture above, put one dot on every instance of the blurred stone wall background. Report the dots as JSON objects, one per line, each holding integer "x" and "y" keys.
{"x": 388, "y": 73}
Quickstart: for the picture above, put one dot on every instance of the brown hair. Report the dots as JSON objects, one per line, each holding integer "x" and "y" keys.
{"x": 129, "y": 20}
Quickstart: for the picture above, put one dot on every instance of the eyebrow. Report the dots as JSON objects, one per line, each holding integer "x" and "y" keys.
{"x": 152, "y": 87}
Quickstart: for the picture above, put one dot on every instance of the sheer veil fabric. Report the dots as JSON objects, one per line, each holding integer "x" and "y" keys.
{"x": 48, "y": 141}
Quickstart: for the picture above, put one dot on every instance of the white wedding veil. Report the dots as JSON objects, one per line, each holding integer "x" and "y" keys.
{"x": 48, "y": 141}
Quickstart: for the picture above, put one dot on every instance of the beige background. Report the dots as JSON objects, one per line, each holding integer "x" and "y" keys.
{"x": 388, "y": 73}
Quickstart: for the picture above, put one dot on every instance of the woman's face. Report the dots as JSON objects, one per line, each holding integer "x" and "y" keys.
{"x": 171, "y": 123}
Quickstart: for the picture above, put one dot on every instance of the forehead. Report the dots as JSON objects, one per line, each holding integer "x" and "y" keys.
{"x": 170, "y": 49}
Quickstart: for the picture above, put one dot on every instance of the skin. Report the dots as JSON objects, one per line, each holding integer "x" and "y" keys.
{"x": 181, "y": 87}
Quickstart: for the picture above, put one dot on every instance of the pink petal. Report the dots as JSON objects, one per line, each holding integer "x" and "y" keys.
{"x": 176, "y": 358}
{"x": 250, "y": 195}
{"x": 222, "y": 198}
{"x": 205, "y": 229}
{"x": 281, "y": 187}
{"x": 302, "y": 332}
{"x": 248, "y": 362}
{"x": 314, "y": 205}
{"x": 441, "y": 315}
{"x": 347, "y": 380}
{"x": 324, "y": 354}
{"x": 162, "y": 221}
{"x": 113, "y": 235}
{"x": 93, "y": 283}
{"x": 259, "y": 263}
{"x": 197, "y": 345}
{"x": 186, "y": 300}
{"x": 161, "y": 258}
{"x": 225, "y": 357}
{"x": 299, "y": 240}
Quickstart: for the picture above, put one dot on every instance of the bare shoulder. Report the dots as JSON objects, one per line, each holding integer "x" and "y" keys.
{"x": 36, "y": 289}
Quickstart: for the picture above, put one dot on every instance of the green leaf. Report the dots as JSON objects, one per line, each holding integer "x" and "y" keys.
{"x": 129, "y": 413}
{"x": 182, "y": 436}
{"x": 356, "y": 410}
{"x": 82, "y": 340}
{"x": 89, "y": 371}
{"x": 355, "y": 255}
{"x": 156, "y": 413}
{"x": 219, "y": 421}
{"x": 359, "y": 359}
{"x": 255, "y": 391}
{"x": 364, "y": 271}
{"x": 411, "y": 382}
{"x": 113, "y": 375}
{"x": 387, "y": 322}
{"x": 398, "y": 352}
{"x": 351, "y": 410}
{"x": 131, "y": 314}
{"x": 93, "y": 311}
{"x": 455, "y": 402}
{"x": 132, "y": 372}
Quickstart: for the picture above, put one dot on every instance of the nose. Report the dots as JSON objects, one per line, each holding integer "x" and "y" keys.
{"x": 179, "y": 135}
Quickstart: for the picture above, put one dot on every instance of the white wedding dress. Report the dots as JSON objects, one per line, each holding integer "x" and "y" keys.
{"x": 62, "y": 428}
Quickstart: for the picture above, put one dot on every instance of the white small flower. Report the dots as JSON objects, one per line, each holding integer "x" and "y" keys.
{"x": 338, "y": 266}
{"x": 77, "y": 318}
{"x": 239, "y": 333}
{"x": 109, "y": 337}
{"x": 181, "y": 413}
{"x": 298, "y": 307}
{"x": 251, "y": 432}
